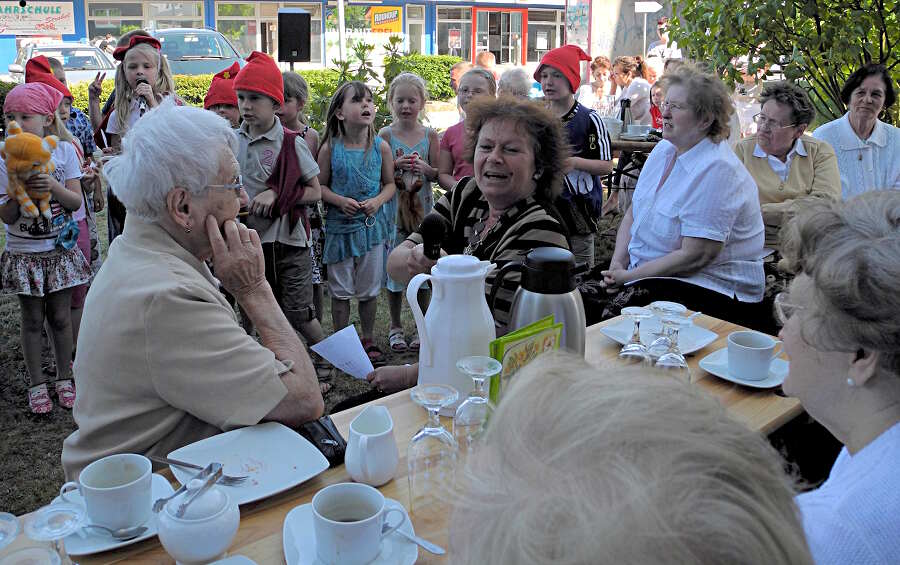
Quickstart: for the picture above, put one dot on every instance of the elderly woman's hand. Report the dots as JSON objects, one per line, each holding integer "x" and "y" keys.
{"x": 417, "y": 262}
{"x": 392, "y": 378}
{"x": 614, "y": 278}
{"x": 237, "y": 258}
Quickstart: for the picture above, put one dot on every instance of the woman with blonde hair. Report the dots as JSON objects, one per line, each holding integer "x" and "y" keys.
{"x": 694, "y": 231}
{"x": 841, "y": 330}
{"x": 582, "y": 465}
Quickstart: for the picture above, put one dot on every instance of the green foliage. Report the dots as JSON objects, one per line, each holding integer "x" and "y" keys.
{"x": 435, "y": 69}
{"x": 818, "y": 43}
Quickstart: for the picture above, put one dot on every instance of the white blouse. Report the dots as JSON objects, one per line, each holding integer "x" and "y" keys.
{"x": 639, "y": 94}
{"x": 708, "y": 195}
{"x": 865, "y": 165}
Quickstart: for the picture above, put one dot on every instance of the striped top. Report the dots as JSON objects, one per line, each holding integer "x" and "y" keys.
{"x": 524, "y": 226}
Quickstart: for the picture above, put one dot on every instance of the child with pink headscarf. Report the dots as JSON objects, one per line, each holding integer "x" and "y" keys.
{"x": 41, "y": 263}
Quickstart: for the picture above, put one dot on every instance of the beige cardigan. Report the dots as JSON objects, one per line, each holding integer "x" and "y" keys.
{"x": 812, "y": 176}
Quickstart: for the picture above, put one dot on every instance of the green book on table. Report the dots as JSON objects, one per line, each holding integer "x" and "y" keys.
{"x": 517, "y": 349}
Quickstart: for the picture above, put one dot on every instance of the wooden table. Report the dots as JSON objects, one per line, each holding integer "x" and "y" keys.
{"x": 259, "y": 536}
{"x": 625, "y": 166}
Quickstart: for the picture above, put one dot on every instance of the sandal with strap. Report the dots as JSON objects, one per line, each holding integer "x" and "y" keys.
{"x": 65, "y": 392}
{"x": 376, "y": 355}
{"x": 397, "y": 340}
{"x": 415, "y": 344}
{"x": 39, "y": 399}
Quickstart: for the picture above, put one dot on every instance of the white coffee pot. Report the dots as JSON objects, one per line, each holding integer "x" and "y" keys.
{"x": 372, "y": 454}
{"x": 458, "y": 322}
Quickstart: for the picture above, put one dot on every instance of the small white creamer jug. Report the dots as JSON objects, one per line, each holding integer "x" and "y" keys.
{"x": 372, "y": 455}
{"x": 458, "y": 322}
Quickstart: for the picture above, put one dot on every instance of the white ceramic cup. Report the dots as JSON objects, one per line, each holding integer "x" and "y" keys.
{"x": 372, "y": 454}
{"x": 347, "y": 520}
{"x": 750, "y": 354}
{"x": 117, "y": 490}
{"x": 613, "y": 126}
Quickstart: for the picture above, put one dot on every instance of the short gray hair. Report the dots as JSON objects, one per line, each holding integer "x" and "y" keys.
{"x": 707, "y": 96}
{"x": 169, "y": 146}
{"x": 515, "y": 82}
{"x": 586, "y": 465}
{"x": 851, "y": 251}
{"x": 792, "y": 96}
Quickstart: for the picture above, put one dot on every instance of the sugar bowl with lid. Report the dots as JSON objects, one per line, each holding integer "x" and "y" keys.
{"x": 206, "y": 527}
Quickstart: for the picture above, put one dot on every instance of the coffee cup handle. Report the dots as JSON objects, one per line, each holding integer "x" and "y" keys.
{"x": 779, "y": 346}
{"x": 66, "y": 488}
{"x": 400, "y": 523}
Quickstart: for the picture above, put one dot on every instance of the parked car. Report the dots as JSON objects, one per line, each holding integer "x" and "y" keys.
{"x": 193, "y": 51}
{"x": 81, "y": 61}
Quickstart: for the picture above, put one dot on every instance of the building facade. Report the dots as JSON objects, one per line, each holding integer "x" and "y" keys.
{"x": 516, "y": 32}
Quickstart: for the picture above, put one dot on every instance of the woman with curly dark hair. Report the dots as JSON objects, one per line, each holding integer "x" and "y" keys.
{"x": 519, "y": 151}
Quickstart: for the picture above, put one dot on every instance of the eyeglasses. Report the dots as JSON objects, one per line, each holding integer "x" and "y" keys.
{"x": 673, "y": 106}
{"x": 763, "y": 122}
{"x": 236, "y": 185}
{"x": 784, "y": 309}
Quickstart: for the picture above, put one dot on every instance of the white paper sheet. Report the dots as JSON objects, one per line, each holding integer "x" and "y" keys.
{"x": 344, "y": 350}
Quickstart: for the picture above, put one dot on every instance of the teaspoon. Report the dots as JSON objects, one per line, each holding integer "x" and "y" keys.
{"x": 122, "y": 534}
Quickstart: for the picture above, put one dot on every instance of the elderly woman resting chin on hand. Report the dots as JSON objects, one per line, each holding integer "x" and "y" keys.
{"x": 518, "y": 150}
{"x": 694, "y": 231}
{"x": 162, "y": 361}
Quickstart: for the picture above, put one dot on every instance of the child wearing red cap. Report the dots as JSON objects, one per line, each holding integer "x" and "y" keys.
{"x": 142, "y": 80}
{"x": 221, "y": 97}
{"x": 40, "y": 263}
{"x": 280, "y": 176}
{"x": 560, "y": 74}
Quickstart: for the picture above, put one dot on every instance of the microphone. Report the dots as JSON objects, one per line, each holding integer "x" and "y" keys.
{"x": 142, "y": 104}
{"x": 433, "y": 229}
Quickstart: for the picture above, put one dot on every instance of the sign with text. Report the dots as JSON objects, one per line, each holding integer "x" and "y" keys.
{"x": 37, "y": 18}
{"x": 385, "y": 19}
{"x": 578, "y": 23}
{"x": 454, "y": 39}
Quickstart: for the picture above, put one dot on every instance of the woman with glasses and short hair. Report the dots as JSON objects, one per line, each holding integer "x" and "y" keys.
{"x": 161, "y": 359}
{"x": 841, "y": 330}
{"x": 694, "y": 231}
{"x": 788, "y": 167}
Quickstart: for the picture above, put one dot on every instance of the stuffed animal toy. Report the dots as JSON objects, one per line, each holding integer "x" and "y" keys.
{"x": 27, "y": 155}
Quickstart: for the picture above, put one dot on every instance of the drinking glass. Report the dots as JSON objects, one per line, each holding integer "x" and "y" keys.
{"x": 673, "y": 360}
{"x": 663, "y": 309}
{"x": 53, "y": 523}
{"x": 432, "y": 452}
{"x": 635, "y": 351}
{"x": 9, "y": 528}
{"x": 473, "y": 414}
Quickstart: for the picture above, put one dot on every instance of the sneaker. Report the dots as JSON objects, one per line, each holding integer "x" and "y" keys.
{"x": 39, "y": 399}
{"x": 65, "y": 391}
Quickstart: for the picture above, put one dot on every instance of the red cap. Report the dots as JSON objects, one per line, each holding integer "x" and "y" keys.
{"x": 38, "y": 69}
{"x": 567, "y": 60}
{"x": 119, "y": 53}
{"x": 261, "y": 75}
{"x": 221, "y": 89}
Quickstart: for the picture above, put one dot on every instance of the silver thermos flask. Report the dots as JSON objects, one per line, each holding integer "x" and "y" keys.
{"x": 548, "y": 287}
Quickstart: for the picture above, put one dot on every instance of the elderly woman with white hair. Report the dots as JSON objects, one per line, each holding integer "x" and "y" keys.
{"x": 583, "y": 466}
{"x": 841, "y": 320}
{"x": 514, "y": 82}
{"x": 162, "y": 361}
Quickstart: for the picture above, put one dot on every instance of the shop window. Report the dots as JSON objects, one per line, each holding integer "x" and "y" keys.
{"x": 415, "y": 28}
{"x": 454, "y": 30}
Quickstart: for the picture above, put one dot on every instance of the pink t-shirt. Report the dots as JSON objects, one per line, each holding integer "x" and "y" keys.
{"x": 454, "y": 141}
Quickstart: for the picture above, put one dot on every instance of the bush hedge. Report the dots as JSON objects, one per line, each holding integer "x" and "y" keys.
{"x": 435, "y": 69}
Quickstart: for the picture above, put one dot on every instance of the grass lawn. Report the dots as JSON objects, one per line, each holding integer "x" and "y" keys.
{"x": 31, "y": 446}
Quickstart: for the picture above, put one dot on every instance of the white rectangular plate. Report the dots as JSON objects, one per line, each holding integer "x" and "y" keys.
{"x": 690, "y": 339}
{"x": 88, "y": 541}
{"x": 274, "y": 456}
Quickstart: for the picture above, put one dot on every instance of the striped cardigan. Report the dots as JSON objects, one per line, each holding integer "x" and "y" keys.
{"x": 524, "y": 226}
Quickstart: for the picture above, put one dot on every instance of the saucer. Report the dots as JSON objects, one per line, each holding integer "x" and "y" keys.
{"x": 717, "y": 364}
{"x": 234, "y": 560}
{"x": 300, "y": 539}
{"x": 89, "y": 540}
